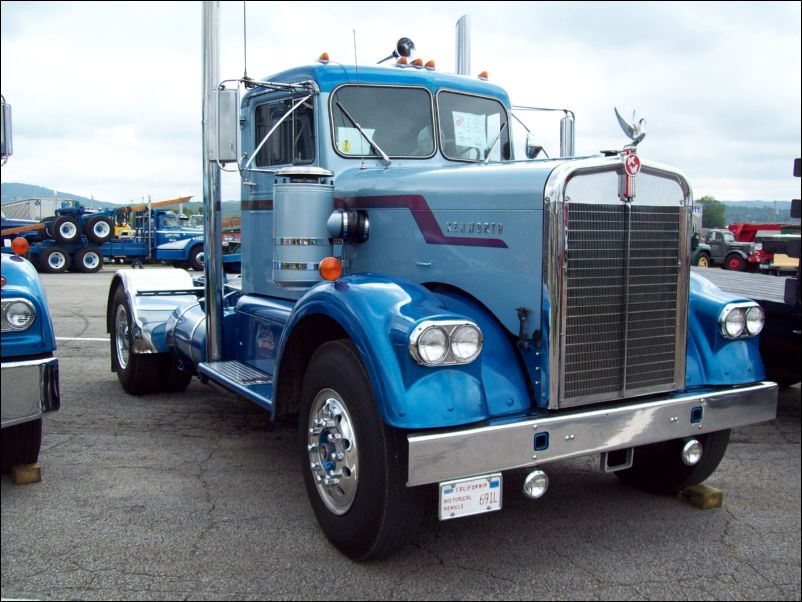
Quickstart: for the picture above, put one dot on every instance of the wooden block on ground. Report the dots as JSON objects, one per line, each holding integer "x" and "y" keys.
{"x": 25, "y": 474}
{"x": 703, "y": 496}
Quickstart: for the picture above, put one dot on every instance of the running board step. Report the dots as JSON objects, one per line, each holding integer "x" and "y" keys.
{"x": 242, "y": 379}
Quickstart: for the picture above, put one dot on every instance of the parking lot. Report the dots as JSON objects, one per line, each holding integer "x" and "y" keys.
{"x": 197, "y": 496}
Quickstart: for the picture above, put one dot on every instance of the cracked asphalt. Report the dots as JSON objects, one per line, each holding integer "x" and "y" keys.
{"x": 197, "y": 496}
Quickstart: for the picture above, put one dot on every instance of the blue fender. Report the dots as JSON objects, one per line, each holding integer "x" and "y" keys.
{"x": 711, "y": 358}
{"x": 378, "y": 313}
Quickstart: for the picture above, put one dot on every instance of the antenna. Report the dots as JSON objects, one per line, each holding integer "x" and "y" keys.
{"x": 244, "y": 42}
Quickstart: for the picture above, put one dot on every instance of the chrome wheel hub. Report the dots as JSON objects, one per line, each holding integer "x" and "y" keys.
{"x": 333, "y": 452}
{"x": 121, "y": 339}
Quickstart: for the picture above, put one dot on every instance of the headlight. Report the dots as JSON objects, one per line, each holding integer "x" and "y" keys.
{"x": 433, "y": 345}
{"x": 445, "y": 342}
{"x": 466, "y": 342}
{"x": 755, "y": 318}
{"x": 18, "y": 314}
{"x": 741, "y": 320}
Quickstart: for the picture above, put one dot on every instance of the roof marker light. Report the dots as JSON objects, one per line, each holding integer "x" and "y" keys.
{"x": 430, "y": 65}
{"x": 417, "y": 63}
{"x": 402, "y": 62}
{"x": 324, "y": 58}
{"x": 483, "y": 76}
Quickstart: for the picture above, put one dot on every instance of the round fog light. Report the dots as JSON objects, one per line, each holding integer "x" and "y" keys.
{"x": 536, "y": 484}
{"x": 691, "y": 452}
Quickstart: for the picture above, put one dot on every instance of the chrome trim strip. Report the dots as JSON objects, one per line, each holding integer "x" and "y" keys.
{"x": 555, "y": 264}
{"x": 29, "y": 389}
{"x": 465, "y": 452}
{"x": 303, "y": 242}
{"x": 297, "y": 266}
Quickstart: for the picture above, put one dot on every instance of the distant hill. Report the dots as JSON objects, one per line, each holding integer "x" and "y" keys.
{"x": 14, "y": 191}
{"x": 757, "y": 212}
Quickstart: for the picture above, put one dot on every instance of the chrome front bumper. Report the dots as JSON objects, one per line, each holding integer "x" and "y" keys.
{"x": 29, "y": 389}
{"x": 435, "y": 457}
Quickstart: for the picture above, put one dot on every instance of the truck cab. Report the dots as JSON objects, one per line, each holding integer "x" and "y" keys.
{"x": 437, "y": 310}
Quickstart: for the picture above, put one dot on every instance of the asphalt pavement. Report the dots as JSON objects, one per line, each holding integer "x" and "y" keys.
{"x": 198, "y": 496}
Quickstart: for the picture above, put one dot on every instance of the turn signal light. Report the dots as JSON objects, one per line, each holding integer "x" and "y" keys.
{"x": 331, "y": 269}
{"x": 20, "y": 245}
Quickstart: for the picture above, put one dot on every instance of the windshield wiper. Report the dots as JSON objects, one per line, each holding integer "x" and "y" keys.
{"x": 364, "y": 134}
{"x": 492, "y": 144}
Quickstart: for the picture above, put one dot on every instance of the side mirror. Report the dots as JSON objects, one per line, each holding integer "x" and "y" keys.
{"x": 532, "y": 148}
{"x": 6, "y": 142}
{"x": 223, "y": 126}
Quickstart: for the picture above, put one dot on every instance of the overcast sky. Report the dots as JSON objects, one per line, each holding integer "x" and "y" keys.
{"x": 106, "y": 96}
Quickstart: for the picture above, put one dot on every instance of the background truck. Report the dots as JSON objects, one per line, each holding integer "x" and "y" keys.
{"x": 81, "y": 240}
{"x": 438, "y": 310}
{"x": 774, "y": 244}
{"x": 726, "y": 251}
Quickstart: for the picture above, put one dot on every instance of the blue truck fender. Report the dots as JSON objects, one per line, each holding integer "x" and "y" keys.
{"x": 711, "y": 358}
{"x": 378, "y": 314}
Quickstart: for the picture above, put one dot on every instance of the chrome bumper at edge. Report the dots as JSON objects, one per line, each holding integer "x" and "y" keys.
{"x": 29, "y": 389}
{"x": 453, "y": 454}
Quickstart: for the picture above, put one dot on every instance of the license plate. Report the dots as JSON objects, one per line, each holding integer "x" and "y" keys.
{"x": 466, "y": 497}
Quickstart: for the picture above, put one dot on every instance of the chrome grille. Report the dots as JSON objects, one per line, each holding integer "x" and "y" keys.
{"x": 621, "y": 300}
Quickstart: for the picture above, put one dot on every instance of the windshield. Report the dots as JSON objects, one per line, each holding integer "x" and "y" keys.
{"x": 728, "y": 236}
{"x": 472, "y": 128}
{"x": 398, "y": 120}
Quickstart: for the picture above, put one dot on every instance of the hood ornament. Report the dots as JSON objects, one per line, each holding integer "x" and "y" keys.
{"x": 635, "y": 131}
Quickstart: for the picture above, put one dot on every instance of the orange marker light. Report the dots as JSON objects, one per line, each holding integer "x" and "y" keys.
{"x": 331, "y": 268}
{"x": 324, "y": 58}
{"x": 20, "y": 246}
{"x": 417, "y": 63}
{"x": 483, "y": 75}
{"x": 3, "y": 281}
{"x": 402, "y": 61}
{"x": 429, "y": 64}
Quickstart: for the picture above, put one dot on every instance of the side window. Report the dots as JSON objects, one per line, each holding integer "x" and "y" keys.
{"x": 472, "y": 128}
{"x": 397, "y": 119}
{"x": 293, "y": 142}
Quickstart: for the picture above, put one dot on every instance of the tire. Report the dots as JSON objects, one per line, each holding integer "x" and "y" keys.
{"x": 171, "y": 378}
{"x": 88, "y": 260}
{"x": 703, "y": 261}
{"x": 659, "y": 469}
{"x": 65, "y": 229}
{"x": 54, "y": 260}
{"x": 21, "y": 444}
{"x": 366, "y": 511}
{"x": 196, "y": 258}
{"x": 735, "y": 263}
{"x": 138, "y": 373}
{"x": 99, "y": 229}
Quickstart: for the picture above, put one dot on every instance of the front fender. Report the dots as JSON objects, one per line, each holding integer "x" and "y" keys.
{"x": 712, "y": 359}
{"x": 378, "y": 313}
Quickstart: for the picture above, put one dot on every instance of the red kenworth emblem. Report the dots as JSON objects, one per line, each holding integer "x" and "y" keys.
{"x": 632, "y": 165}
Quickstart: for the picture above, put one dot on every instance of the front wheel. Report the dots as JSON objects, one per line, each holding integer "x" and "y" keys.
{"x": 354, "y": 465}
{"x": 735, "y": 263}
{"x": 703, "y": 261}
{"x": 196, "y": 258}
{"x": 658, "y": 468}
{"x": 21, "y": 444}
{"x": 138, "y": 373}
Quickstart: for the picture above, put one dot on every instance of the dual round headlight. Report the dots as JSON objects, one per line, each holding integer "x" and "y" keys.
{"x": 741, "y": 320}
{"x": 436, "y": 343}
{"x": 18, "y": 314}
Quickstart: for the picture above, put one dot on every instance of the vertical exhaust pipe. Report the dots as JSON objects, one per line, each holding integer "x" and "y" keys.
{"x": 212, "y": 241}
{"x": 464, "y": 45}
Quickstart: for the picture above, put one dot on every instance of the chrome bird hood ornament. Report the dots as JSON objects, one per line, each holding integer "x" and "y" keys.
{"x": 636, "y": 131}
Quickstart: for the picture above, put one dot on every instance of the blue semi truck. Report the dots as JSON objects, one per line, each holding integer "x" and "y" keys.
{"x": 438, "y": 311}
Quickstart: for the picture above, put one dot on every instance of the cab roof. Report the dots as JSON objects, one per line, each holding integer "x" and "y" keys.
{"x": 329, "y": 76}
